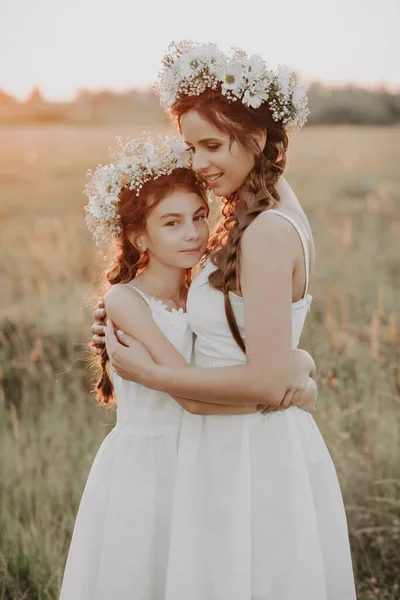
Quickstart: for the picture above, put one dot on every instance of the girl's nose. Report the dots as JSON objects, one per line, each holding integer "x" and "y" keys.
{"x": 192, "y": 232}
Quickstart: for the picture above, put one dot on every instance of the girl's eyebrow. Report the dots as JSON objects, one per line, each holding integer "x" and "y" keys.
{"x": 169, "y": 215}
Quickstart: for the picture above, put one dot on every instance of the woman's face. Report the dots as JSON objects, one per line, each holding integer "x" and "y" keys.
{"x": 222, "y": 164}
{"x": 177, "y": 230}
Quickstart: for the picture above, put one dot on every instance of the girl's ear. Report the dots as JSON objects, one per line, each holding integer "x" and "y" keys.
{"x": 138, "y": 241}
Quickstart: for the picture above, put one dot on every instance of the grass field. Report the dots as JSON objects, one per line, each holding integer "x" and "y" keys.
{"x": 348, "y": 181}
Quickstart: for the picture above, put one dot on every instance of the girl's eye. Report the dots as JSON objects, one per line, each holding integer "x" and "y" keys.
{"x": 200, "y": 217}
{"x": 213, "y": 147}
{"x": 172, "y": 224}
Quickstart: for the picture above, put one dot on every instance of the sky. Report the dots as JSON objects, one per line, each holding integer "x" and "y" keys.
{"x": 65, "y": 45}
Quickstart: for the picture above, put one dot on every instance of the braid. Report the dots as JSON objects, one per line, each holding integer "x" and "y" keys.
{"x": 133, "y": 211}
{"x": 258, "y": 194}
{"x": 127, "y": 264}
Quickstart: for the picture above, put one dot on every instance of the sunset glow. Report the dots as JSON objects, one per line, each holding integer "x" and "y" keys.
{"x": 63, "y": 46}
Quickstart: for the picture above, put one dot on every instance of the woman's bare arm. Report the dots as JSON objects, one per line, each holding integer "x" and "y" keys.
{"x": 130, "y": 312}
{"x": 270, "y": 247}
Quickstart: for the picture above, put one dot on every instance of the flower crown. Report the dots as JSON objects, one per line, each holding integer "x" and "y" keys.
{"x": 190, "y": 68}
{"x": 134, "y": 162}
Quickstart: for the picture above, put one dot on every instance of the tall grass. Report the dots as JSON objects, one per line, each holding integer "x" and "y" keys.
{"x": 50, "y": 429}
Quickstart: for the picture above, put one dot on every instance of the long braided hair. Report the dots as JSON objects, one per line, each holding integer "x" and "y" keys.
{"x": 258, "y": 192}
{"x": 129, "y": 262}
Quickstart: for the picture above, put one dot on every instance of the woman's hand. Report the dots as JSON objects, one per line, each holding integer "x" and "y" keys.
{"x": 129, "y": 357}
{"x": 303, "y": 390}
{"x": 99, "y": 316}
{"x": 308, "y": 399}
{"x": 303, "y": 368}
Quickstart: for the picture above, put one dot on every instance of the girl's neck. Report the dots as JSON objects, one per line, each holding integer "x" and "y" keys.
{"x": 164, "y": 283}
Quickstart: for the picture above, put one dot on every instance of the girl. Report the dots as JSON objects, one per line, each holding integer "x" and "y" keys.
{"x": 152, "y": 208}
{"x": 258, "y": 512}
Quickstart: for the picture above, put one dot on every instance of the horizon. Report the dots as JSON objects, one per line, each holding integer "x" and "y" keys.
{"x": 23, "y": 98}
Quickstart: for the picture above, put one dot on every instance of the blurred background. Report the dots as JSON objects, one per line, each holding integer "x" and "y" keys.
{"x": 75, "y": 74}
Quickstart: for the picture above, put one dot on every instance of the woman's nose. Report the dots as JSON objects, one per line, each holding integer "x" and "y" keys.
{"x": 199, "y": 162}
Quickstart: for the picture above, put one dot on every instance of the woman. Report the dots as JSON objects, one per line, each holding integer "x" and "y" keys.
{"x": 258, "y": 512}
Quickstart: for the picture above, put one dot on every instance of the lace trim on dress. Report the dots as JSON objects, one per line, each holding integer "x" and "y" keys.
{"x": 154, "y": 303}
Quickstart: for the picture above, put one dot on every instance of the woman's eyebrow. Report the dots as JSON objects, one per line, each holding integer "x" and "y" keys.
{"x": 204, "y": 141}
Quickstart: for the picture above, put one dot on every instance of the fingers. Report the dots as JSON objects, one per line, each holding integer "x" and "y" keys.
{"x": 287, "y": 399}
{"x": 122, "y": 337}
{"x": 265, "y": 408}
{"x": 111, "y": 340}
{"x": 99, "y": 315}
{"x": 296, "y": 397}
{"x": 98, "y": 330}
{"x": 310, "y": 408}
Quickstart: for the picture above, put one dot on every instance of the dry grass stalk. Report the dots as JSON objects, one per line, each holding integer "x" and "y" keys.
{"x": 347, "y": 232}
{"x": 398, "y": 376}
{"x": 330, "y": 308}
{"x": 342, "y": 311}
{"x": 380, "y": 308}
{"x": 15, "y": 421}
{"x": 374, "y": 335}
{"x": 393, "y": 329}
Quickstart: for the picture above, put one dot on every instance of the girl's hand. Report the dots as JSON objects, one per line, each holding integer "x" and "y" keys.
{"x": 129, "y": 357}
{"x": 99, "y": 316}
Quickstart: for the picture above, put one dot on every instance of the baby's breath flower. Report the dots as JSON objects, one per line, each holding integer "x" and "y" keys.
{"x": 188, "y": 69}
{"x": 134, "y": 163}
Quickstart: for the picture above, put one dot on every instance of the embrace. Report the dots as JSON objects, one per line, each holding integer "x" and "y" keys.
{"x": 215, "y": 483}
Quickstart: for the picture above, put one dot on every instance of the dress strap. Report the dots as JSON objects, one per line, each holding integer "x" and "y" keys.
{"x": 302, "y": 237}
{"x": 145, "y": 298}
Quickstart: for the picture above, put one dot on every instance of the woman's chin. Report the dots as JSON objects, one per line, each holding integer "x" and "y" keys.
{"x": 223, "y": 191}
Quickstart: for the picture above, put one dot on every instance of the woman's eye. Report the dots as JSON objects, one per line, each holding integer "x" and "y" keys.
{"x": 200, "y": 217}
{"x": 213, "y": 147}
{"x": 172, "y": 224}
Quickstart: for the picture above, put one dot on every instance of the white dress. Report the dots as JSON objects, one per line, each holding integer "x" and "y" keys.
{"x": 258, "y": 512}
{"x": 119, "y": 547}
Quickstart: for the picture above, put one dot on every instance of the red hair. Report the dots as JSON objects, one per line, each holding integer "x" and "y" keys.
{"x": 129, "y": 262}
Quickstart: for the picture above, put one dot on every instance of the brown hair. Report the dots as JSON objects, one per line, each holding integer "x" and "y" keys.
{"x": 258, "y": 192}
{"x": 133, "y": 211}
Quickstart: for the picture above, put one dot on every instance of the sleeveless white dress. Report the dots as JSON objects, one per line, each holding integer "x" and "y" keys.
{"x": 258, "y": 512}
{"x": 119, "y": 548}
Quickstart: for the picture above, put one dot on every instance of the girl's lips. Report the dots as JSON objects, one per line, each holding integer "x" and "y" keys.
{"x": 192, "y": 251}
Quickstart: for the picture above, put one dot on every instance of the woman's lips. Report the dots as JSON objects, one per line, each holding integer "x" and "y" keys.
{"x": 212, "y": 179}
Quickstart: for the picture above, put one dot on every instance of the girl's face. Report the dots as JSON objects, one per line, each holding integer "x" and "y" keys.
{"x": 177, "y": 230}
{"x": 222, "y": 164}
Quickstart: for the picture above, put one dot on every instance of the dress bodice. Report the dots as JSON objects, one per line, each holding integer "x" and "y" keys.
{"x": 148, "y": 411}
{"x": 215, "y": 345}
